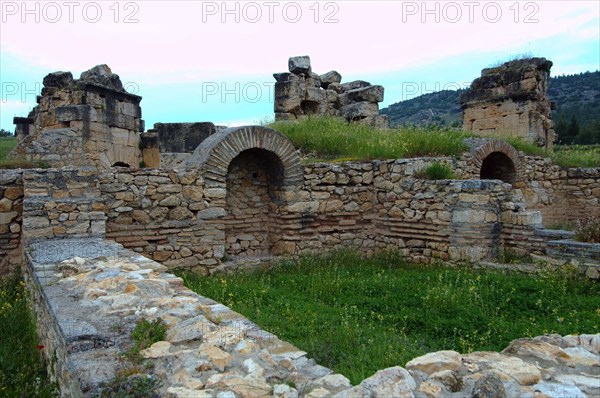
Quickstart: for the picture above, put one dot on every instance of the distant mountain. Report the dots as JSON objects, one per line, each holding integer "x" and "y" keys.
{"x": 576, "y": 117}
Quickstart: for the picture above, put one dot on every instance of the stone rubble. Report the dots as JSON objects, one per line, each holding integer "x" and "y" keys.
{"x": 301, "y": 93}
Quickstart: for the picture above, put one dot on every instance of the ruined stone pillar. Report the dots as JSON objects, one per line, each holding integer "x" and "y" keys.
{"x": 511, "y": 100}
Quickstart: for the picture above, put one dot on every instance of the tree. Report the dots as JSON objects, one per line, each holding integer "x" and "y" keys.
{"x": 5, "y": 133}
{"x": 572, "y": 131}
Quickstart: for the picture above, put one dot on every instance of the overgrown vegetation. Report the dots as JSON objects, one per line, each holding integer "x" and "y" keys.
{"x": 577, "y": 155}
{"x": 588, "y": 230}
{"x": 507, "y": 255}
{"x": 144, "y": 335}
{"x": 329, "y": 138}
{"x": 359, "y": 315}
{"x": 439, "y": 171}
{"x": 22, "y": 369}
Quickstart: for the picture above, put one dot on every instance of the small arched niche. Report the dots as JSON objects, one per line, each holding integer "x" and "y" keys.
{"x": 254, "y": 180}
{"x": 498, "y": 166}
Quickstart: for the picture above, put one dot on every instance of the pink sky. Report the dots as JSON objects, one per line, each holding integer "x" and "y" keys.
{"x": 171, "y": 41}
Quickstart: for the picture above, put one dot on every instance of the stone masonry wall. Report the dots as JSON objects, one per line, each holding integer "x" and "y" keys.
{"x": 62, "y": 203}
{"x": 11, "y": 220}
{"x": 560, "y": 194}
{"x": 173, "y": 218}
{"x": 166, "y": 215}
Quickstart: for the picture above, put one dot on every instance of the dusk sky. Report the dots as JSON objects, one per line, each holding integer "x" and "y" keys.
{"x": 213, "y": 61}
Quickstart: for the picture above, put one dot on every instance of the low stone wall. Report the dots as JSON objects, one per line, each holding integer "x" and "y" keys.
{"x": 11, "y": 220}
{"x": 560, "y": 194}
{"x": 585, "y": 255}
{"x": 87, "y": 306}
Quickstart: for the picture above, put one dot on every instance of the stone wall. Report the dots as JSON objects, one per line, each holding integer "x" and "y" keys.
{"x": 560, "y": 194}
{"x": 89, "y": 121}
{"x": 302, "y": 93}
{"x": 181, "y": 220}
{"x": 88, "y": 301}
{"x": 168, "y": 216}
{"x": 11, "y": 220}
{"x": 511, "y": 100}
{"x": 62, "y": 203}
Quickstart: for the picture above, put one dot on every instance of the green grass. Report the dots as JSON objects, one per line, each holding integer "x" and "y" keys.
{"x": 563, "y": 155}
{"x": 6, "y": 145}
{"x": 22, "y": 370}
{"x": 577, "y": 155}
{"x": 331, "y": 138}
{"x": 358, "y": 315}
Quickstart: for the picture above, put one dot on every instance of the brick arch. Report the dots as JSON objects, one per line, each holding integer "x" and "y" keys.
{"x": 487, "y": 153}
{"x": 215, "y": 154}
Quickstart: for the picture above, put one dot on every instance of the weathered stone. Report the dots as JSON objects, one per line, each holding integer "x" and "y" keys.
{"x": 330, "y": 77}
{"x": 299, "y": 65}
{"x": 180, "y": 213}
{"x": 390, "y": 382}
{"x": 436, "y": 362}
{"x": 369, "y": 94}
{"x": 157, "y": 350}
{"x": 489, "y": 386}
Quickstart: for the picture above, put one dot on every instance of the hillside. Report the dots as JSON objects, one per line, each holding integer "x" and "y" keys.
{"x": 577, "y": 114}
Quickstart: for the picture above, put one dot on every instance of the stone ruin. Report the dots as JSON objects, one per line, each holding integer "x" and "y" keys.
{"x": 301, "y": 93}
{"x": 92, "y": 120}
{"x": 168, "y": 145}
{"x": 510, "y": 100}
{"x": 244, "y": 193}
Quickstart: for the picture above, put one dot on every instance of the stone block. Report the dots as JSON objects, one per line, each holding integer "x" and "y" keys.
{"x": 368, "y": 94}
{"x": 330, "y": 77}
{"x": 299, "y": 65}
{"x": 359, "y": 110}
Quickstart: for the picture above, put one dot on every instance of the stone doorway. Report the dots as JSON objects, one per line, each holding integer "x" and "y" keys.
{"x": 498, "y": 166}
{"x": 254, "y": 180}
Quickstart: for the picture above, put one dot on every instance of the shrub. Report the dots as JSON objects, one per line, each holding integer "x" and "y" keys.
{"x": 588, "y": 230}
{"x": 144, "y": 335}
{"x": 439, "y": 171}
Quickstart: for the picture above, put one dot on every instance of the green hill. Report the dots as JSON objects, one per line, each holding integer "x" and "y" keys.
{"x": 576, "y": 117}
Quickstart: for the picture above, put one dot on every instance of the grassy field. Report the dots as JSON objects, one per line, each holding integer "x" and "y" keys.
{"x": 6, "y": 144}
{"x": 359, "y": 315}
{"x": 22, "y": 371}
{"x": 327, "y": 138}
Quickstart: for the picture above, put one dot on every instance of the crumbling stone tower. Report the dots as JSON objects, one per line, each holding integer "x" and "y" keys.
{"x": 511, "y": 100}
{"x": 301, "y": 93}
{"x": 92, "y": 121}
